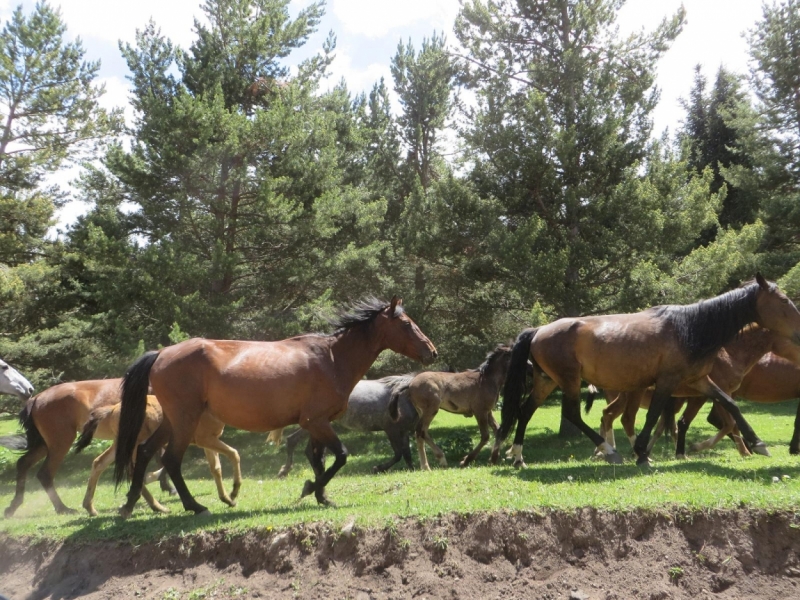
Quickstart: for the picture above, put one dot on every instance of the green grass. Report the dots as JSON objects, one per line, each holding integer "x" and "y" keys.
{"x": 559, "y": 476}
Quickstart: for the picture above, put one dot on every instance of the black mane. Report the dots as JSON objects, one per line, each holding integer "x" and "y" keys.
{"x": 360, "y": 312}
{"x": 705, "y": 326}
{"x": 501, "y": 349}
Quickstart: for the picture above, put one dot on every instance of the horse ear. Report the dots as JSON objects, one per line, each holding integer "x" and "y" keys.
{"x": 394, "y": 304}
{"x": 762, "y": 283}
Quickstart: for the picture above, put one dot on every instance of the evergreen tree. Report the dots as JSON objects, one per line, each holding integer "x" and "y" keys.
{"x": 49, "y": 113}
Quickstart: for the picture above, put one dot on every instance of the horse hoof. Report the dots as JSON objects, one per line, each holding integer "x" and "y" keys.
{"x": 761, "y": 448}
{"x": 125, "y": 512}
{"x": 160, "y": 509}
{"x": 205, "y": 513}
{"x": 283, "y": 472}
{"x": 229, "y": 502}
{"x": 695, "y": 448}
{"x": 614, "y": 458}
{"x": 64, "y": 510}
{"x": 8, "y": 513}
{"x": 520, "y": 464}
{"x": 681, "y": 457}
{"x": 308, "y": 488}
{"x": 794, "y": 451}
{"x": 644, "y": 461}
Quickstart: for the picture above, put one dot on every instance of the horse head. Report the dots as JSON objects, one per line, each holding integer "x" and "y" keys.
{"x": 12, "y": 382}
{"x": 776, "y": 311}
{"x": 402, "y": 335}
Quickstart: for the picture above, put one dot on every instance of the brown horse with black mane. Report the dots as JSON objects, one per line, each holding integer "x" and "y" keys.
{"x": 664, "y": 346}
{"x": 260, "y": 386}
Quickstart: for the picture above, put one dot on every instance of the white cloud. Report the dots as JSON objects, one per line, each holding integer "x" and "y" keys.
{"x": 376, "y": 18}
{"x": 357, "y": 79}
{"x": 114, "y": 20}
{"x": 711, "y": 37}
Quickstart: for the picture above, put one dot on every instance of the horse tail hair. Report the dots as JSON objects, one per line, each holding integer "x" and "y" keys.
{"x": 131, "y": 416}
{"x": 32, "y": 438}
{"x": 515, "y": 382}
{"x": 90, "y": 427}
{"x": 591, "y": 394}
{"x": 669, "y": 416}
{"x": 275, "y": 436}
{"x": 394, "y": 402}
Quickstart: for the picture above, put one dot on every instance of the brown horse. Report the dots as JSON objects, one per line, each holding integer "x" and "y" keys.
{"x": 470, "y": 393}
{"x": 774, "y": 378}
{"x": 665, "y": 346}
{"x": 260, "y": 386}
{"x": 731, "y": 365}
{"x": 103, "y": 424}
{"x": 51, "y": 421}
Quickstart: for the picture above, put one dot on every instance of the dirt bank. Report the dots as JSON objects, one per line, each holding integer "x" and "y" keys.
{"x": 583, "y": 555}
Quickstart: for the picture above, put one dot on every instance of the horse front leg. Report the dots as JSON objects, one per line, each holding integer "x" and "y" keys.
{"x": 323, "y": 436}
{"x": 483, "y": 426}
{"x": 661, "y": 396}
{"x": 571, "y": 411}
{"x": 794, "y": 445}
{"x": 142, "y": 455}
{"x": 291, "y": 443}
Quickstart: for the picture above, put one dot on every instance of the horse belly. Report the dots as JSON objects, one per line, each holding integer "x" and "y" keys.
{"x": 619, "y": 366}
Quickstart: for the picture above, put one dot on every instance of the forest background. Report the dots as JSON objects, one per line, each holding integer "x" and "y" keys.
{"x": 520, "y": 181}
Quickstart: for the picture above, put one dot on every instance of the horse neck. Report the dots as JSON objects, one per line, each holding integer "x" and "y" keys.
{"x": 495, "y": 375}
{"x": 354, "y": 350}
{"x": 707, "y": 326}
{"x": 786, "y": 349}
{"x": 748, "y": 348}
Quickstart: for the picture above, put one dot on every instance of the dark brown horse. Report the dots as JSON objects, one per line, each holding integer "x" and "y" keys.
{"x": 260, "y": 386}
{"x": 665, "y": 346}
{"x": 732, "y": 363}
{"x": 470, "y": 393}
{"x": 774, "y": 378}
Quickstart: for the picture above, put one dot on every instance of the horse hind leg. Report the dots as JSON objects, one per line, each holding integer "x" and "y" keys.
{"x": 55, "y": 456}
{"x": 24, "y": 464}
{"x": 396, "y": 440}
{"x": 144, "y": 453}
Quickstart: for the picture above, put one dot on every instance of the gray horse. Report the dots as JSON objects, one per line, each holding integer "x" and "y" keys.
{"x": 367, "y": 410}
{"x": 12, "y": 382}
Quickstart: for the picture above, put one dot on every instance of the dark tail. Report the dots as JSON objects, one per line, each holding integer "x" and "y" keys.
{"x": 134, "y": 402}
{"x": 394, "y": 411}
{"x": 17, "y": 443}
{"x": 515, "y": 382}
{"x": 591, "y": 394}
{"x": 87, "y": 434}
{"x": 33, "y": 438}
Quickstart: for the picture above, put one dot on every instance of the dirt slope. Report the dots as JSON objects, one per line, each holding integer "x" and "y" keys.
{"x": 584, "y": 555}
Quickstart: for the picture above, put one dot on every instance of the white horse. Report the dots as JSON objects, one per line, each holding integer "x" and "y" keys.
{"x": 11, "y": 382}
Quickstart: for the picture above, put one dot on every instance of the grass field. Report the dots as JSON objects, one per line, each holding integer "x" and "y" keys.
{"x": 560, "y": 475}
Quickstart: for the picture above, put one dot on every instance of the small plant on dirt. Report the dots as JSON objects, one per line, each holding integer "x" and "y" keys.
{"x": 391, "y": 528}
{"x": 295, "y": 585}
{"x": 171, "y": 594}
{"x": 404, "y": 544}
{"x": 675, "y": 574}
{"x": 440, "y": 542}
{"x": 308, "y": 543}
{"x": 236, "y": 590}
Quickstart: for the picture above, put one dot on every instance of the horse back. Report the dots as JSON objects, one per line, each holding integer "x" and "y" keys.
{"x": 621, "y": 352}
{"x": 368, "y": 408}
{"x": 258, "y": 386}
{"x": 69, "y": 404}
{"x": 772, "y": 379}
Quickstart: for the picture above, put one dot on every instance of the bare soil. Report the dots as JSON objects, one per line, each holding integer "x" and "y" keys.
{"x": 587, "y": 554}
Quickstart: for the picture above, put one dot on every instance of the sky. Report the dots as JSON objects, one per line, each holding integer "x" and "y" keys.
{"x": 368, "y": 32}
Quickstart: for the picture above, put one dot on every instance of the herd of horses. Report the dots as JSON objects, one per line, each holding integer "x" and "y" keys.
{"x": 745, "y": 342}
